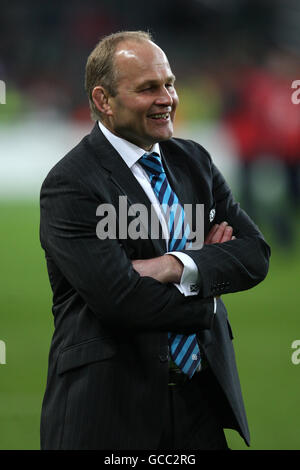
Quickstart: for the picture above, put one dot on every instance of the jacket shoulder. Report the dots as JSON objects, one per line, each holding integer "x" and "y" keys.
{"x": 188, "y": 147}
{"x": 72, "y": 163}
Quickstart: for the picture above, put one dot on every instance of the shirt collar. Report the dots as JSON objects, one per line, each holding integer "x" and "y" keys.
{"x": 130, "y": 152}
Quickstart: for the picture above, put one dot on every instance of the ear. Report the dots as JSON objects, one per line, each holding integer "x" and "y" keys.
{"x": 101, "y": 100}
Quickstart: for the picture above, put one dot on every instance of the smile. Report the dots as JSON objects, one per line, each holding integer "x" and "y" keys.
{"x": 160, "y": 116}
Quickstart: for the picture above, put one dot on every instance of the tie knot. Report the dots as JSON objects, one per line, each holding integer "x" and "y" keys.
{"x": 151, "y": 162}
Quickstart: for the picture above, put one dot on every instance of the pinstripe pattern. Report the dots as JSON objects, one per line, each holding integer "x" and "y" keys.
{"x": 95, "y": 388}
{"x": 184, "y": 349}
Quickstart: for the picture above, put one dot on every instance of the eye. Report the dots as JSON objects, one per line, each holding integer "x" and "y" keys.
{"x": 148, "y": 88}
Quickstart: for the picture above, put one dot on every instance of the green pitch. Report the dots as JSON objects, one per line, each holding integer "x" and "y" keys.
{"x": 265, "y": 322}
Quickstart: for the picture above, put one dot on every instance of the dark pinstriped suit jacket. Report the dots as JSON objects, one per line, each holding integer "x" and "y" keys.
{"x": 108, "y": 362}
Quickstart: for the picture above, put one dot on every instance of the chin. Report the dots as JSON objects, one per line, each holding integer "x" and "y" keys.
{"x": 165, "y": 136}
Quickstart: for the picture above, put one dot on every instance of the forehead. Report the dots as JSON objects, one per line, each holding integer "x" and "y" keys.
{"x": 139, "y": 61}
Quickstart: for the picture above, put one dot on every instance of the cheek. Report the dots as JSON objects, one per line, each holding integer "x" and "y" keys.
{"x": 136, "y": 112}
{"x": 129, "y": 116}
{"x": 175, "y": 99}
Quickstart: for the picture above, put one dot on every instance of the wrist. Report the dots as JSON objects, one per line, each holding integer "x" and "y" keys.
{"x": 173, "y": 269}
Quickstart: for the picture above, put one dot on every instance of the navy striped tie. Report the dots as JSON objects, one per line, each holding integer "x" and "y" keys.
{"x": 184, "y": 350}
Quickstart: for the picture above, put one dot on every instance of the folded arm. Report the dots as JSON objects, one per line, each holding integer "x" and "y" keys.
{"x": 100, "y": 272}
{"x": 169, "y": 268}
{"x": 237, "y": 264}
{"x": 234, "y": 256}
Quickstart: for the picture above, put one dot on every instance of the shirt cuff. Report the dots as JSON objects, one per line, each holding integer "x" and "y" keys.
{"x": 189, "y": 282}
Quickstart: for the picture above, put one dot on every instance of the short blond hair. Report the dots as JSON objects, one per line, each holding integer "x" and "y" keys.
{"x": 100, "y": 67}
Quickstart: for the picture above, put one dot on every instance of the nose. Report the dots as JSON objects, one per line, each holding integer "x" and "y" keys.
{"x": 164, "y": 97}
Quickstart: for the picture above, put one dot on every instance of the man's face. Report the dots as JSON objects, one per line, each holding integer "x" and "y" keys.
{"x": 143, "y": 109}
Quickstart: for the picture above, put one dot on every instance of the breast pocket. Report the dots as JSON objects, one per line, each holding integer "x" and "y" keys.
{"x": 87, "y": 352}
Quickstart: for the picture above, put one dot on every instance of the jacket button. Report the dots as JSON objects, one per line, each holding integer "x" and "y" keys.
{"x": 164, "y": 357}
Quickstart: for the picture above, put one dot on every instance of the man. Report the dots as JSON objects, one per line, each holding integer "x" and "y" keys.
{"x": 141, "y": 356}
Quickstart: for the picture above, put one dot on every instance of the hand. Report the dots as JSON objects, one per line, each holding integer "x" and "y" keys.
{"x": 166, "y": 268}
{"x": 219, "y": 234}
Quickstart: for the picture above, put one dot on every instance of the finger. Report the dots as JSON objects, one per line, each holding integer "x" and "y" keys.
{"x": 218, "y": 235}
{"x": 227, "y": 234}
{"x": 211, "y": 234}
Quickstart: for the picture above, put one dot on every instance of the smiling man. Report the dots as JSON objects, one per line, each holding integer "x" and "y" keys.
{"x": 142, "y": 355}
{"x": 143, "y": 107}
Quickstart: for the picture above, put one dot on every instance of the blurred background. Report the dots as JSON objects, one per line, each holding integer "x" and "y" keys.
{"x": 235, "y": 63}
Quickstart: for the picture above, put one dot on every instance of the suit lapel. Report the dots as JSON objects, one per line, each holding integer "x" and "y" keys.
{"x": 178, "y": 176}
{"x": 187, "y": 181}
{"x": 123, "y": 179}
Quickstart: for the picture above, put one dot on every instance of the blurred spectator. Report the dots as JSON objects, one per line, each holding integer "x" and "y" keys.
{"x": 266, "y": 124}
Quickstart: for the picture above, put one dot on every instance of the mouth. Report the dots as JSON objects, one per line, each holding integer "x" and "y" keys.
{"x": 160, "y": 116}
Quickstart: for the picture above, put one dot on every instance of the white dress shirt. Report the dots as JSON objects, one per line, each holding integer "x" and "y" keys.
{"x": 131, "y": 154}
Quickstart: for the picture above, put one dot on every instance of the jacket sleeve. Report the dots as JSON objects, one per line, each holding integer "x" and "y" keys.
{"x": 235, "y": 265}
{"x": 101, "y": 272}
